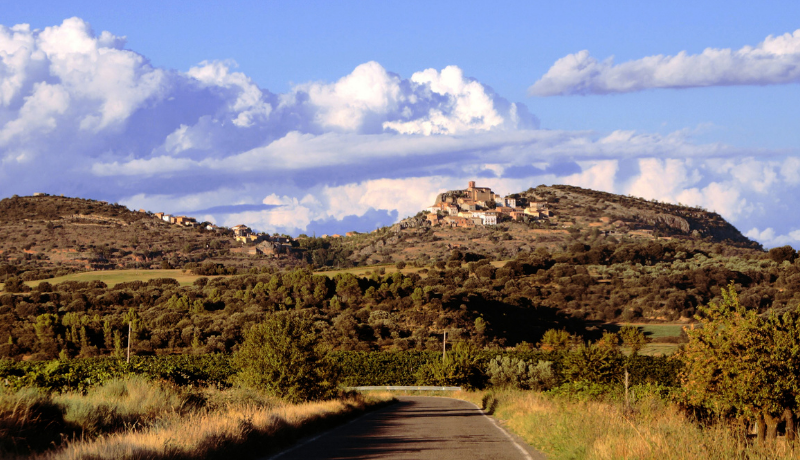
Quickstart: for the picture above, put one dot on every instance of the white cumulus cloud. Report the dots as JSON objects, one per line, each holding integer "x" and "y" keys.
{"x": 774, "y": 61}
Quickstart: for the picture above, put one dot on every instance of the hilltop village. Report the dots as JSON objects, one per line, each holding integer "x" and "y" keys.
{"x": 480, "y": 206}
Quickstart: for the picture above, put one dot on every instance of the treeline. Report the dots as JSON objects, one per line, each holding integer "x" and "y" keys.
{"x": 355, "y": 369}
{"x": 467, "y": 297}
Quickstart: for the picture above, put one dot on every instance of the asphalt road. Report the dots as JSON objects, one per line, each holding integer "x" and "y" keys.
{"x": 419, "y": 428}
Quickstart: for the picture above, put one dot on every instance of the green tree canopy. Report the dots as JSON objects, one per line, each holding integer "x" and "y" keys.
{"x": 281, "y": 356}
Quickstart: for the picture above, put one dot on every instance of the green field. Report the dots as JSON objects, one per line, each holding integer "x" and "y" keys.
{"x": 659, "y": 349}
{"x": 113, "y": 277}
{"x": 654, "y": 331}
{"x": 651, "y": 331}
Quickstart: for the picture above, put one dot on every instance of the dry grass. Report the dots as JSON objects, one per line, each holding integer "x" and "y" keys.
{"x": 232, "y": 432}
{"x": 652, "y": 429}
{"x": 122, "y": 403}
{"x": 135, "y": 418}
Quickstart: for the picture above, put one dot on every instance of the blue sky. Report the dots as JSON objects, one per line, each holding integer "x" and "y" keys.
{"x": 322, "y": 115}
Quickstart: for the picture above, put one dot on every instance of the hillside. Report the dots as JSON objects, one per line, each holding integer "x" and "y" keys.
{"x": 44, "y": 236}
{"x": 565, "y": 215}
{"x": 592, "y": 260}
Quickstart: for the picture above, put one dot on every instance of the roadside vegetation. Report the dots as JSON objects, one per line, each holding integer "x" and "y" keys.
{"x": 279, "y": 389}
{"x": 594, "y": 423}
{"x": 135, "y": 418}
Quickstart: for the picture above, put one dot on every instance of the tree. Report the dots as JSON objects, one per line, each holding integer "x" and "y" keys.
{"x": 281, "y": 356}
{"x": 782, "y": 253}
{"x": 458, "y": 367}
{"x": 555, "y": 340}
{"x": 609, "y": 340}
{"x": 633, "y": 338}
{"x": 738, "y": 363}
{"x": 14, "y": 284}
{"x": 592, "y": 363}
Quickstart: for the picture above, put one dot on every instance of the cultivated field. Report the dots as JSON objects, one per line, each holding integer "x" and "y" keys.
{"x": 113, "y": 277}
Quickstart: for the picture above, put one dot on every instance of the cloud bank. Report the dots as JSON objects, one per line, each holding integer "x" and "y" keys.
{"x": 774, "y": 61}
{"x": 82, "y": 115}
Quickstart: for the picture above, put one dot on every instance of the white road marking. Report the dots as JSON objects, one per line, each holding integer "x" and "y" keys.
{"x": 310, "y": 440}
{"x": 502, "y": 430}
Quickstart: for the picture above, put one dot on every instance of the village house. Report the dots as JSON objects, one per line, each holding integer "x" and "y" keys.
{"x": 183, "y": 220}
{"x": 438, "y": 207}
{"x": 241, "y": 230}
{"x": 159, "y": 215}
{"x": 488, "y": 218}
{"x": 166, "y": 218}
{"x": 516, "y": 215}
{"x": 434, "y": 219}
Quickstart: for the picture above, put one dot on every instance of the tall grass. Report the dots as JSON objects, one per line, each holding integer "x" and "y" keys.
{"x": 135, "y": 418}
{"x": 571, "y": 428}
{"x": 122, "y": 403}
{"x": 28, "y": 419}
{"x": 235, "y": 431}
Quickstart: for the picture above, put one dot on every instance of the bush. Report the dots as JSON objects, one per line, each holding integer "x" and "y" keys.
{"x": 281, "y": 356}
{"x": 593, "y": 364}
{"x": 507, "y": 372}
{"x": 460, "y": 367}
{"x": 15, "y": 284}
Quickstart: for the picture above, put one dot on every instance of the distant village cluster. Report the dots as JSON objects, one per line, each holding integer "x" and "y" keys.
{"x": 259, "y": 243}
{"x": 479, "y": 206}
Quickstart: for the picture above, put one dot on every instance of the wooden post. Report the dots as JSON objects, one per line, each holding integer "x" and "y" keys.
{"x": 444, "y": 346}
{"x": 129, "y": 341}
{"x": 627, "y": 397}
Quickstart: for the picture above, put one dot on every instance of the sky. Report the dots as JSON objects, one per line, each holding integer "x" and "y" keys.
{"x": 325, "y": 117}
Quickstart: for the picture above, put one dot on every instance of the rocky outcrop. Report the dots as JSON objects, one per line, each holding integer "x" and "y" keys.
{"x": 675, "y": 222}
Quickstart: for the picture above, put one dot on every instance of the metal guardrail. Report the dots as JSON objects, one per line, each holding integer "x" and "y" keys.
{"x": 404, "y": 388}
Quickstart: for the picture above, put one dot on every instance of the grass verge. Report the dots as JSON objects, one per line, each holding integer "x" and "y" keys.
{"x": 136, "y": 419}
{"x": 232, "y": 432}
{"x": 582, "y": 428}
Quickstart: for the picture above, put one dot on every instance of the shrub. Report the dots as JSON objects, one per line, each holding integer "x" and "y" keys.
{"x": 460, "y": 367}
{"x": 15, "y": 284}
{"x": 507, "y": 372}
{"x": 594, "y": 364}
{"x": 281, "y": 356}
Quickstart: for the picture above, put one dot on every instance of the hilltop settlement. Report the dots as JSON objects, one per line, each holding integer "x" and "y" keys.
{"x": 481, "y": 206}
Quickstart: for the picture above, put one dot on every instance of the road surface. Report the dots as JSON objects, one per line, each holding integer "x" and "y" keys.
{"x": 417, "y": 427}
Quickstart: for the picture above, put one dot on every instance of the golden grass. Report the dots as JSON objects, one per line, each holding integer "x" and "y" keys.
{"x": 652, "y": 429}
{"x": 234, "y": 431}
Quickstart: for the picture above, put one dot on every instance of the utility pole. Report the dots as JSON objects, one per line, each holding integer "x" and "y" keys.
{"x": 129, "y": 341}
{"x": 444, "y": 346}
